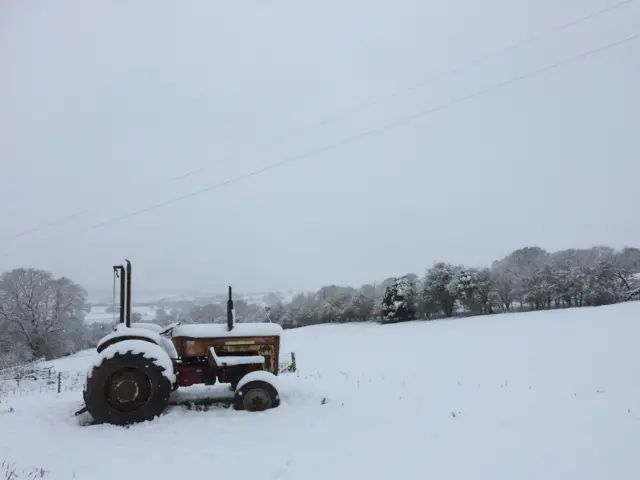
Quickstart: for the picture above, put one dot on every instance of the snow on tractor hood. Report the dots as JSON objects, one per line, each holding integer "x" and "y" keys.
{"x": 213, "y": 330}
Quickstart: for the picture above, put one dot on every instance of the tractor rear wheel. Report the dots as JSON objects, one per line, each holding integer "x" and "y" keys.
{"x": 256, "y": 396}
{"x": 127, "y": 388}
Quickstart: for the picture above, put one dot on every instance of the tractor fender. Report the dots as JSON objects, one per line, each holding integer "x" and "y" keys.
{"x": 259, "y": 376}
{"x": 123, "y": 333}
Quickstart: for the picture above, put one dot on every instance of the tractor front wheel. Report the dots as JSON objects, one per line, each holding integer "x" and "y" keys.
{"x": 256, "y": 396}
{"x": 127, "y": 388}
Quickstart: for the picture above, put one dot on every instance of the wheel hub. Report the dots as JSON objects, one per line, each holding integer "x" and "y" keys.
{"x": 256, "y": 400}
{"x": 128, "y": 389}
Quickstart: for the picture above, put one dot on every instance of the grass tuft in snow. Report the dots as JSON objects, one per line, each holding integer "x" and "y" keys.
{"x": 9, "y": 471}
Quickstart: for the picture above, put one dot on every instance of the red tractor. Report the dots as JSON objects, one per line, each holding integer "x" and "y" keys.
{"x": 139, "y": 365}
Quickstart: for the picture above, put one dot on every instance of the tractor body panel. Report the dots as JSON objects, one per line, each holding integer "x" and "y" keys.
{"x": 197, "y": 365}
{"x": 192, "y": 342}
{"x": 191, "y": 349}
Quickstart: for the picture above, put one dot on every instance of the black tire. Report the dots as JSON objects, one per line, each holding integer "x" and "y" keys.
{"x": 127, "y": 388}
{"x": 256, "y": 396}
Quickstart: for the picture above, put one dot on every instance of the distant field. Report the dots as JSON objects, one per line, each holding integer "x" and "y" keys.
{"x": 98, "y": 314}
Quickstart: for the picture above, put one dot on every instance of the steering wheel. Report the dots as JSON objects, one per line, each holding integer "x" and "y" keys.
{"x": 170, "y": 327}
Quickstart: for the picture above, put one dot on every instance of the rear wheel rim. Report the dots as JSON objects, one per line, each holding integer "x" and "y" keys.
{"x": 128, "y": 389}
{"x": 256, "y": 400}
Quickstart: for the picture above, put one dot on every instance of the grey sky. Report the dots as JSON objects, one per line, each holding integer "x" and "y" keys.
{"x": 103, "y": 103}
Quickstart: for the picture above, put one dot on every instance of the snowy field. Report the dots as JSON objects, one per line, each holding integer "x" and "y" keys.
{"x": 549, "y": 395}
{"x": 98, "y": 314}
{"x": 262, "y": 298}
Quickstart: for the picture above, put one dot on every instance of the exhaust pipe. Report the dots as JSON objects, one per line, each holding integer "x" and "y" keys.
{"x": 128, "y": 311}
{"x": 124, "y": 274}
{"x": 230, "y": 312}
{"x": 119, "y": 272}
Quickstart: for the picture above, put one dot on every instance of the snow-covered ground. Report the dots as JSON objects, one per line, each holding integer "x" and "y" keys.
{"x": 549, "y": 395}
{"x": 98, "y": 314}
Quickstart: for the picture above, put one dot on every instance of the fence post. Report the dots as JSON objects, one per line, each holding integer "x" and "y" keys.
{"x": 59, "y": 381}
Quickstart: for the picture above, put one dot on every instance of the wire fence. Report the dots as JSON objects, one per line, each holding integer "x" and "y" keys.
{"x": 8, "y": 370}
{"x": 289, "y": 364}
{"x": 31, "y": 379}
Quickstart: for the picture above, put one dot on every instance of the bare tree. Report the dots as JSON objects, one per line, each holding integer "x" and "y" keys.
{"x": 45, "y": 315}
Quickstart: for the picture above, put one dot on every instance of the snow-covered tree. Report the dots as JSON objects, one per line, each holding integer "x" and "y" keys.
{"x": 515, "y": 270}
{"x": 606, "y": 284}
{"x": 333, "y": 303}
{"x": 538, "y": 287}
{"x": 210, "y": 313}
{"x": 399, "y": 300}
{"x": 304, "y": 310}
{"x": 272, "y": 300}
{"x": 478, "y": 293}
{"x": 362, "y": 304}
{"x": 441, "y": 289}
{"x": 465, "y": 283}
{"x": 504, "y": 281}
{"x": 42, "y": 314}
{"x": 628, "y": 259}
{"x": 278, "y": 314}
{"x": 633, "y": 293}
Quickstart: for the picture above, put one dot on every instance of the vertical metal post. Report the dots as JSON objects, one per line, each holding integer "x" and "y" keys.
{"x": 230, "y": 312}
{"x": 118, "y": 271}
{"x": 128, "y": 310}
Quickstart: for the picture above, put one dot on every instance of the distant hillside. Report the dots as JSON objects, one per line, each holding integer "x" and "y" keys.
{"x": 101, "y": 311}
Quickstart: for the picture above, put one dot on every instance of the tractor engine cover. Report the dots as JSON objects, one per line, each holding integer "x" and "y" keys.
{"x": 194, "y": 341}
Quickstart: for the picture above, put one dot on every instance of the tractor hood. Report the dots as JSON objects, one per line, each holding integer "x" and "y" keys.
{"x": 219, "y": 330}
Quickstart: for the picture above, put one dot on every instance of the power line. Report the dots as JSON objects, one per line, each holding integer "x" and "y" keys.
{"x": 50, "y": 224}
{"x": 380, "y": 99}
{"x": 359, "y": 136}
{"x": 480, "y": 59}
{"x": 80, "y": 213}
{"x": 188, "y": 174}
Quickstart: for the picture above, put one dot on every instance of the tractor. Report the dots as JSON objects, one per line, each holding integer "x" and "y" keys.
{"x": 139, "y": 365}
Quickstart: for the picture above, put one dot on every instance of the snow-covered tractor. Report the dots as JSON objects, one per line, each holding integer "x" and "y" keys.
{"x": 139, "y": 365}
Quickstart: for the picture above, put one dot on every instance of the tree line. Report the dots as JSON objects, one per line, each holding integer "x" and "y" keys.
{"x": 529, "y": 278}
{"x": 44, "y": 316}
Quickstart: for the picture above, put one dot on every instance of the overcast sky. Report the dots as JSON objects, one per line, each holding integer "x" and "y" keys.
{"x": 104, "y": 103}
